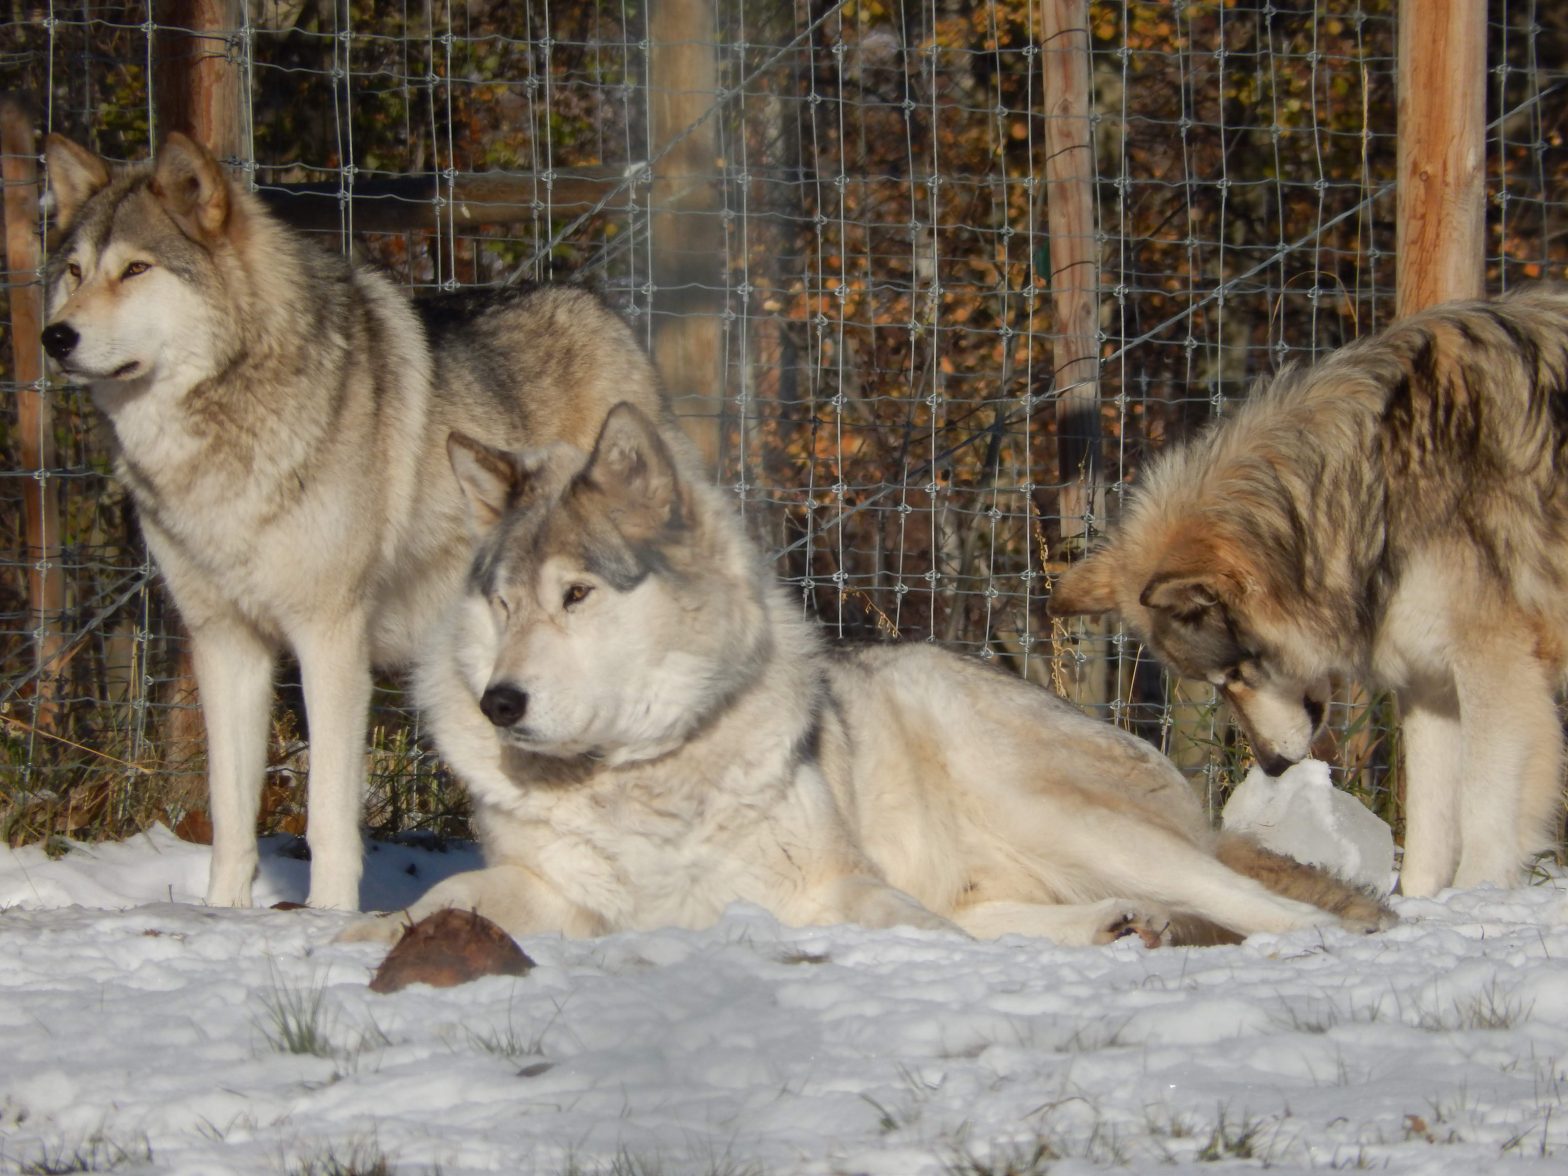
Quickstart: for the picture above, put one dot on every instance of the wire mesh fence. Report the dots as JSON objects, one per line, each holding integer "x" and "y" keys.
{"x": 830, "y": 223}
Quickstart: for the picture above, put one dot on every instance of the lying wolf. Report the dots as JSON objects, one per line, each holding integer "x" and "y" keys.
{"x": 651, "y": 730}
{"x": 1397, "y": 514}
{"x": 282, "y": 417}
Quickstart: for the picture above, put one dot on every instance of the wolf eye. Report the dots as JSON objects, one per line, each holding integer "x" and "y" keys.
{"x": 501, "y": 605}
{"x": 75, "y": 271}
{"x": 1314, "y": 709}
{"x": 1234, "y": 674}
{"x": 576, "y": 594}
{"x": 136, "y": 267}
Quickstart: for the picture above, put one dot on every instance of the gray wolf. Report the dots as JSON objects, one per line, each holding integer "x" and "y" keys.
{"x": 650, "y": 730}
{"x": 281, "y": 417}
{"x": 1397, "y": 514}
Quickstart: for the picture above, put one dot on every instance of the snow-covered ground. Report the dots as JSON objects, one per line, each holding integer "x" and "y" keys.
{"x": 140, "y": 1032}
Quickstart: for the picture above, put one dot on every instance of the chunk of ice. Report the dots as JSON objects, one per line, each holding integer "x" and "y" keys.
{"x": 1302, "y": 814}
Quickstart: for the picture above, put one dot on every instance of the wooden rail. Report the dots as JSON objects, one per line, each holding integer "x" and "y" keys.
{"x": 430, "y": 201}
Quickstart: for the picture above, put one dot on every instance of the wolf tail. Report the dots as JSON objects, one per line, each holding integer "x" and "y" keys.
{"x": 1288, "y": 878}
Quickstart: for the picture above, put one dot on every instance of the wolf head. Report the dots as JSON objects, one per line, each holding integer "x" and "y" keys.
{"x": 1202, "y": 603}
{"x": 609, "y": 610}
{"x": 133, "y": 296}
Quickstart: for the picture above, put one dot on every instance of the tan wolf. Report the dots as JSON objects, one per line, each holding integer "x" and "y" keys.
{"x": 1397, "y": 514}
{"x": 651, "y": 730}
{"x": 281, "y": 417}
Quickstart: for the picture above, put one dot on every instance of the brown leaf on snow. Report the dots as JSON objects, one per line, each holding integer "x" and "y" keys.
{"x": 450, "y": 947}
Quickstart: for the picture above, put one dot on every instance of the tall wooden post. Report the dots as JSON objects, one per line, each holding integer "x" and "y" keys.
{"x": 1075, "y": 290}
{"x": 196, "y": 82}
{"x": 34, "y": 412}
{"x": 688, "y": 236}
{"x": 1075, "y": 254}
{"x": 1441, "y": 230}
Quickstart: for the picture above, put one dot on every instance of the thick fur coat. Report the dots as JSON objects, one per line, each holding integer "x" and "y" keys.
{"x": 651, "y": 730}
{"x": 1396, "y": 514}
{"x": 281, "y": 417}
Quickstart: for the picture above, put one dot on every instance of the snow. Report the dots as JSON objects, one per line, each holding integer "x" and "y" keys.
{"x": 1302, "y": 814}
{"x": 140, "y": 1034}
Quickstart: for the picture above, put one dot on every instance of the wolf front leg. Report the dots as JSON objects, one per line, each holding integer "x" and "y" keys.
{"x": 1510, "y": 799}
{"x": 1429, "y": 725}
{"x": 234, "y": 681}
{"x": 334, "y": 662}
{"x": 514, "y": 898}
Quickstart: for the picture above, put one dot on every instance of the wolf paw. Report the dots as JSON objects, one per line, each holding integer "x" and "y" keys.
{"x": 1153, "y": 926}
{"x": 1360, "y": 912}
{"x": 383, "y": 928}
{"x": 1362, "y": 921}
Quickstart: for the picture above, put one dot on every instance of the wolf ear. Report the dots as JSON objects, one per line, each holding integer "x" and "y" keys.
{"x": 189, "y": 182}
{"x": 491, "y": 479}
{"x": 1087, "y": 588}
{"x": 1199, "y": 570}
{"x": 633, "y": 468}
{"x": 1185, "y": 596}
{"x": 75, "y": 174}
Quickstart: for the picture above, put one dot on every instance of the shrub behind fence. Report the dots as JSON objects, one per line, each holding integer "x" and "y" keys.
{"x": 833, "y": 225}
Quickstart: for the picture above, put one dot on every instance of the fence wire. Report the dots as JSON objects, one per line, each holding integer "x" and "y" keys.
{"x": 841, "y": 209}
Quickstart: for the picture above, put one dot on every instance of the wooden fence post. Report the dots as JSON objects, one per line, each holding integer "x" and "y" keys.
{"x": 196, "y": 84}
{"x": 1441, "y": 226}
{"x": 34, "y": 411}
{"x": 1075, "y": 293}
{"x": 1075, "y": 254}
{"x": 688, "y": 238}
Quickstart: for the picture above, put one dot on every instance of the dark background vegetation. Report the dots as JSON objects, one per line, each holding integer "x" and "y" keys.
{"x": 878, "y": 199}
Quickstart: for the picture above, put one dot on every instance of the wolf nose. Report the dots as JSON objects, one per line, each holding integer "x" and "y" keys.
{"x": 1273, "y": 764}
{"x": 60, "y": 339}
{"x": 503, "y": 705}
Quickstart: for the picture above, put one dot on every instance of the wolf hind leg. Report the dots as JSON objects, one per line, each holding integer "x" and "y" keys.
{"x": 1147, "y": 863}
{"x": 1433, "y": 778}
{"x": 1069, "y": 924}
{"x": 234, "y": 680}
{"x": 867, "y": 901}
{"x": 1285, "y": 876}
{"x": 515, "y": 898}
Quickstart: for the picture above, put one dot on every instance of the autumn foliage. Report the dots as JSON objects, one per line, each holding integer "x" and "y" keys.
{"x": 886, "y": 291}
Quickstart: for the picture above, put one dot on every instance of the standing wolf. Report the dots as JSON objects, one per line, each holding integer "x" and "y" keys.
{"x": 281, "y": 416}
{"x": 650, "y": 730}
{"x": 1398, "y": 513}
